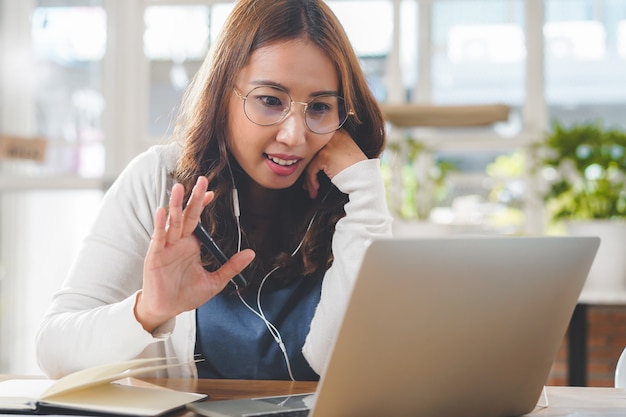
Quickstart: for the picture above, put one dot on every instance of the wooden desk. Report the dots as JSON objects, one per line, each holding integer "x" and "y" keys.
{"x": 562, "y": 401}
{"x": 228, "y": 389}
{"x": 583, "y": 402}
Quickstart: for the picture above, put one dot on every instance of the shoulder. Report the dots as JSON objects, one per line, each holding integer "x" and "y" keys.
{"x": 152, "y": 167}
{"x": 149, "y": 175}
{"x": 157, "y": 157}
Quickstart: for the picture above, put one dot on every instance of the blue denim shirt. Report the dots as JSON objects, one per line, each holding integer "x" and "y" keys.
{"x": 234, "y": 343}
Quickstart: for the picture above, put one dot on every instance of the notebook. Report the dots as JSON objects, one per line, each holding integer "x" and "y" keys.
{"x": 107, "y": 389}
{"x": 445, "y": 327}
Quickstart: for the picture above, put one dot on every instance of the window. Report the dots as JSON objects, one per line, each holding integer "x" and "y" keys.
{"x": 175, "y": 42}
{"x": 479, "y": 50}
{"x": 69, "y": 45}
{"x": 585, "y": 61}
{"x": 476, "y": 53}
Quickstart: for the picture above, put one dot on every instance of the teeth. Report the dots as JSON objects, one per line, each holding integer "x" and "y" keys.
{"x": 282, "y": 162}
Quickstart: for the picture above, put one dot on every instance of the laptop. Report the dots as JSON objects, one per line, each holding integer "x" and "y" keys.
{"x": 444, "y": 327}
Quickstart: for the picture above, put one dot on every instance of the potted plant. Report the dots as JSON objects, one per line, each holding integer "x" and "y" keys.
{"x": 584, "y": 168}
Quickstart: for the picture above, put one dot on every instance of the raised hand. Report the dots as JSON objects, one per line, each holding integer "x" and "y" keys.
{"x": 174, "y": 279}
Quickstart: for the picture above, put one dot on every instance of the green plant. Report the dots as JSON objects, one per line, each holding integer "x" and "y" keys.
{"x": 507, "y": 190}
{"x": 419, "y": 178}
{"x": 585, "y": 167}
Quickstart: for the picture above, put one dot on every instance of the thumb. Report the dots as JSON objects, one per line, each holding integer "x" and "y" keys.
{"x": 237, "y": 263}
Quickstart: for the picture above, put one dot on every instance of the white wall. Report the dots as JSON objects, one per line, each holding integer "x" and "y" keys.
{"x": 40, "y": 242}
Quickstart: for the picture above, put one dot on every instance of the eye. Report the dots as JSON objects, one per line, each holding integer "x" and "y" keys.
{"x": 270, "y": 101}
{"x": 270, "y": 98}
{"x": 320, "y": 107}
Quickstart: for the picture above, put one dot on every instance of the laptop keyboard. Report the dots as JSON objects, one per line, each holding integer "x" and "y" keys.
{"x": 286, "y": 413}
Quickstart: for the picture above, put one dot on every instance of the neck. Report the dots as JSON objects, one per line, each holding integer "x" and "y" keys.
{"x": 261, "y": 213}
{"x": 259, "y": 202}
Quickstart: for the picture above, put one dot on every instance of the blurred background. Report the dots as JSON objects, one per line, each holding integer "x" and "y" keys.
{"x": 85, "y": 85}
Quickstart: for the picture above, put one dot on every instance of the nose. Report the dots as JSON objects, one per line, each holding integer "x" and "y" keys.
{"x": 292, "y": 130}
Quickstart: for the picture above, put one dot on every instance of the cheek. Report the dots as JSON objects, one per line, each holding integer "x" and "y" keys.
{"x": 238, "y": 128}
{"x": 319, "y": 141}
{"x": 237, "y": 144}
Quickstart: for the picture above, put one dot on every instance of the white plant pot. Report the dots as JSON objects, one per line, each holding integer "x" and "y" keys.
{"x": 608, "y": 271}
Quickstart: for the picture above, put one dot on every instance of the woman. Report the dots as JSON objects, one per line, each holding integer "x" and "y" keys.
{"x": 280, "y": 127}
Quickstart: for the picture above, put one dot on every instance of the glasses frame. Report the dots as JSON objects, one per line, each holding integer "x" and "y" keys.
{"x": 305, "y": 106}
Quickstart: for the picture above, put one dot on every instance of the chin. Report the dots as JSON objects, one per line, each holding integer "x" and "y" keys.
{"x": 280, "y": 184}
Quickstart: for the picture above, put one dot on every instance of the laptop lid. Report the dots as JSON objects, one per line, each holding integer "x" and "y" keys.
{"x": 451, "y": 326}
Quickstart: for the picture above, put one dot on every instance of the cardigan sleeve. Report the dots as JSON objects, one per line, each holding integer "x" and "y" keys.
{"x": 91, "y": 319}
{"x": 367, "y": 218}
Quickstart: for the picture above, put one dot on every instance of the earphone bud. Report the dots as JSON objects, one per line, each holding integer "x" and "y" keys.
{"x": 236, "y": 203}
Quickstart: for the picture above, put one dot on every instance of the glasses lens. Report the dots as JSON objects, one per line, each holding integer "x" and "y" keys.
{"x": 266, "y": 105}
{"x": 325, "y": 114}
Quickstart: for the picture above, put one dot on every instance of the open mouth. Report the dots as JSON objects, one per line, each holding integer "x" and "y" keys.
{"x": 282, "y": 162}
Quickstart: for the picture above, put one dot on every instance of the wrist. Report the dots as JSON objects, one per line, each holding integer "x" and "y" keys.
{"x": 143, "y": 317}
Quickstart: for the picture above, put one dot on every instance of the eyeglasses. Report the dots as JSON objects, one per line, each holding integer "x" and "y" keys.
{"x": 268, "y": 105}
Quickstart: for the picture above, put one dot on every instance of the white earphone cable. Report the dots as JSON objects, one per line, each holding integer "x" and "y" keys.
{"x": 270, "y": 327}
{"x": 260, "y": 313}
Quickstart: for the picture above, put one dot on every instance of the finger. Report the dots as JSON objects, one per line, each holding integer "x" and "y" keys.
{"x": 175, "y": 218}
{"x": 311, "y": 183}
{"x": 198, "y": 200}
{"x": 312, "y": 186}
{"x": 237, "y": 263}
{"x": 159, "y": 234}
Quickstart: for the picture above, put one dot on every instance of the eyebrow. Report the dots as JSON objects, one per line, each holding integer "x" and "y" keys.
{"x": 282, "y": 87}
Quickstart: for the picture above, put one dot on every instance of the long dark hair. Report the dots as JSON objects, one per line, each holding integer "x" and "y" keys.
{"x": 202, "y": 127}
